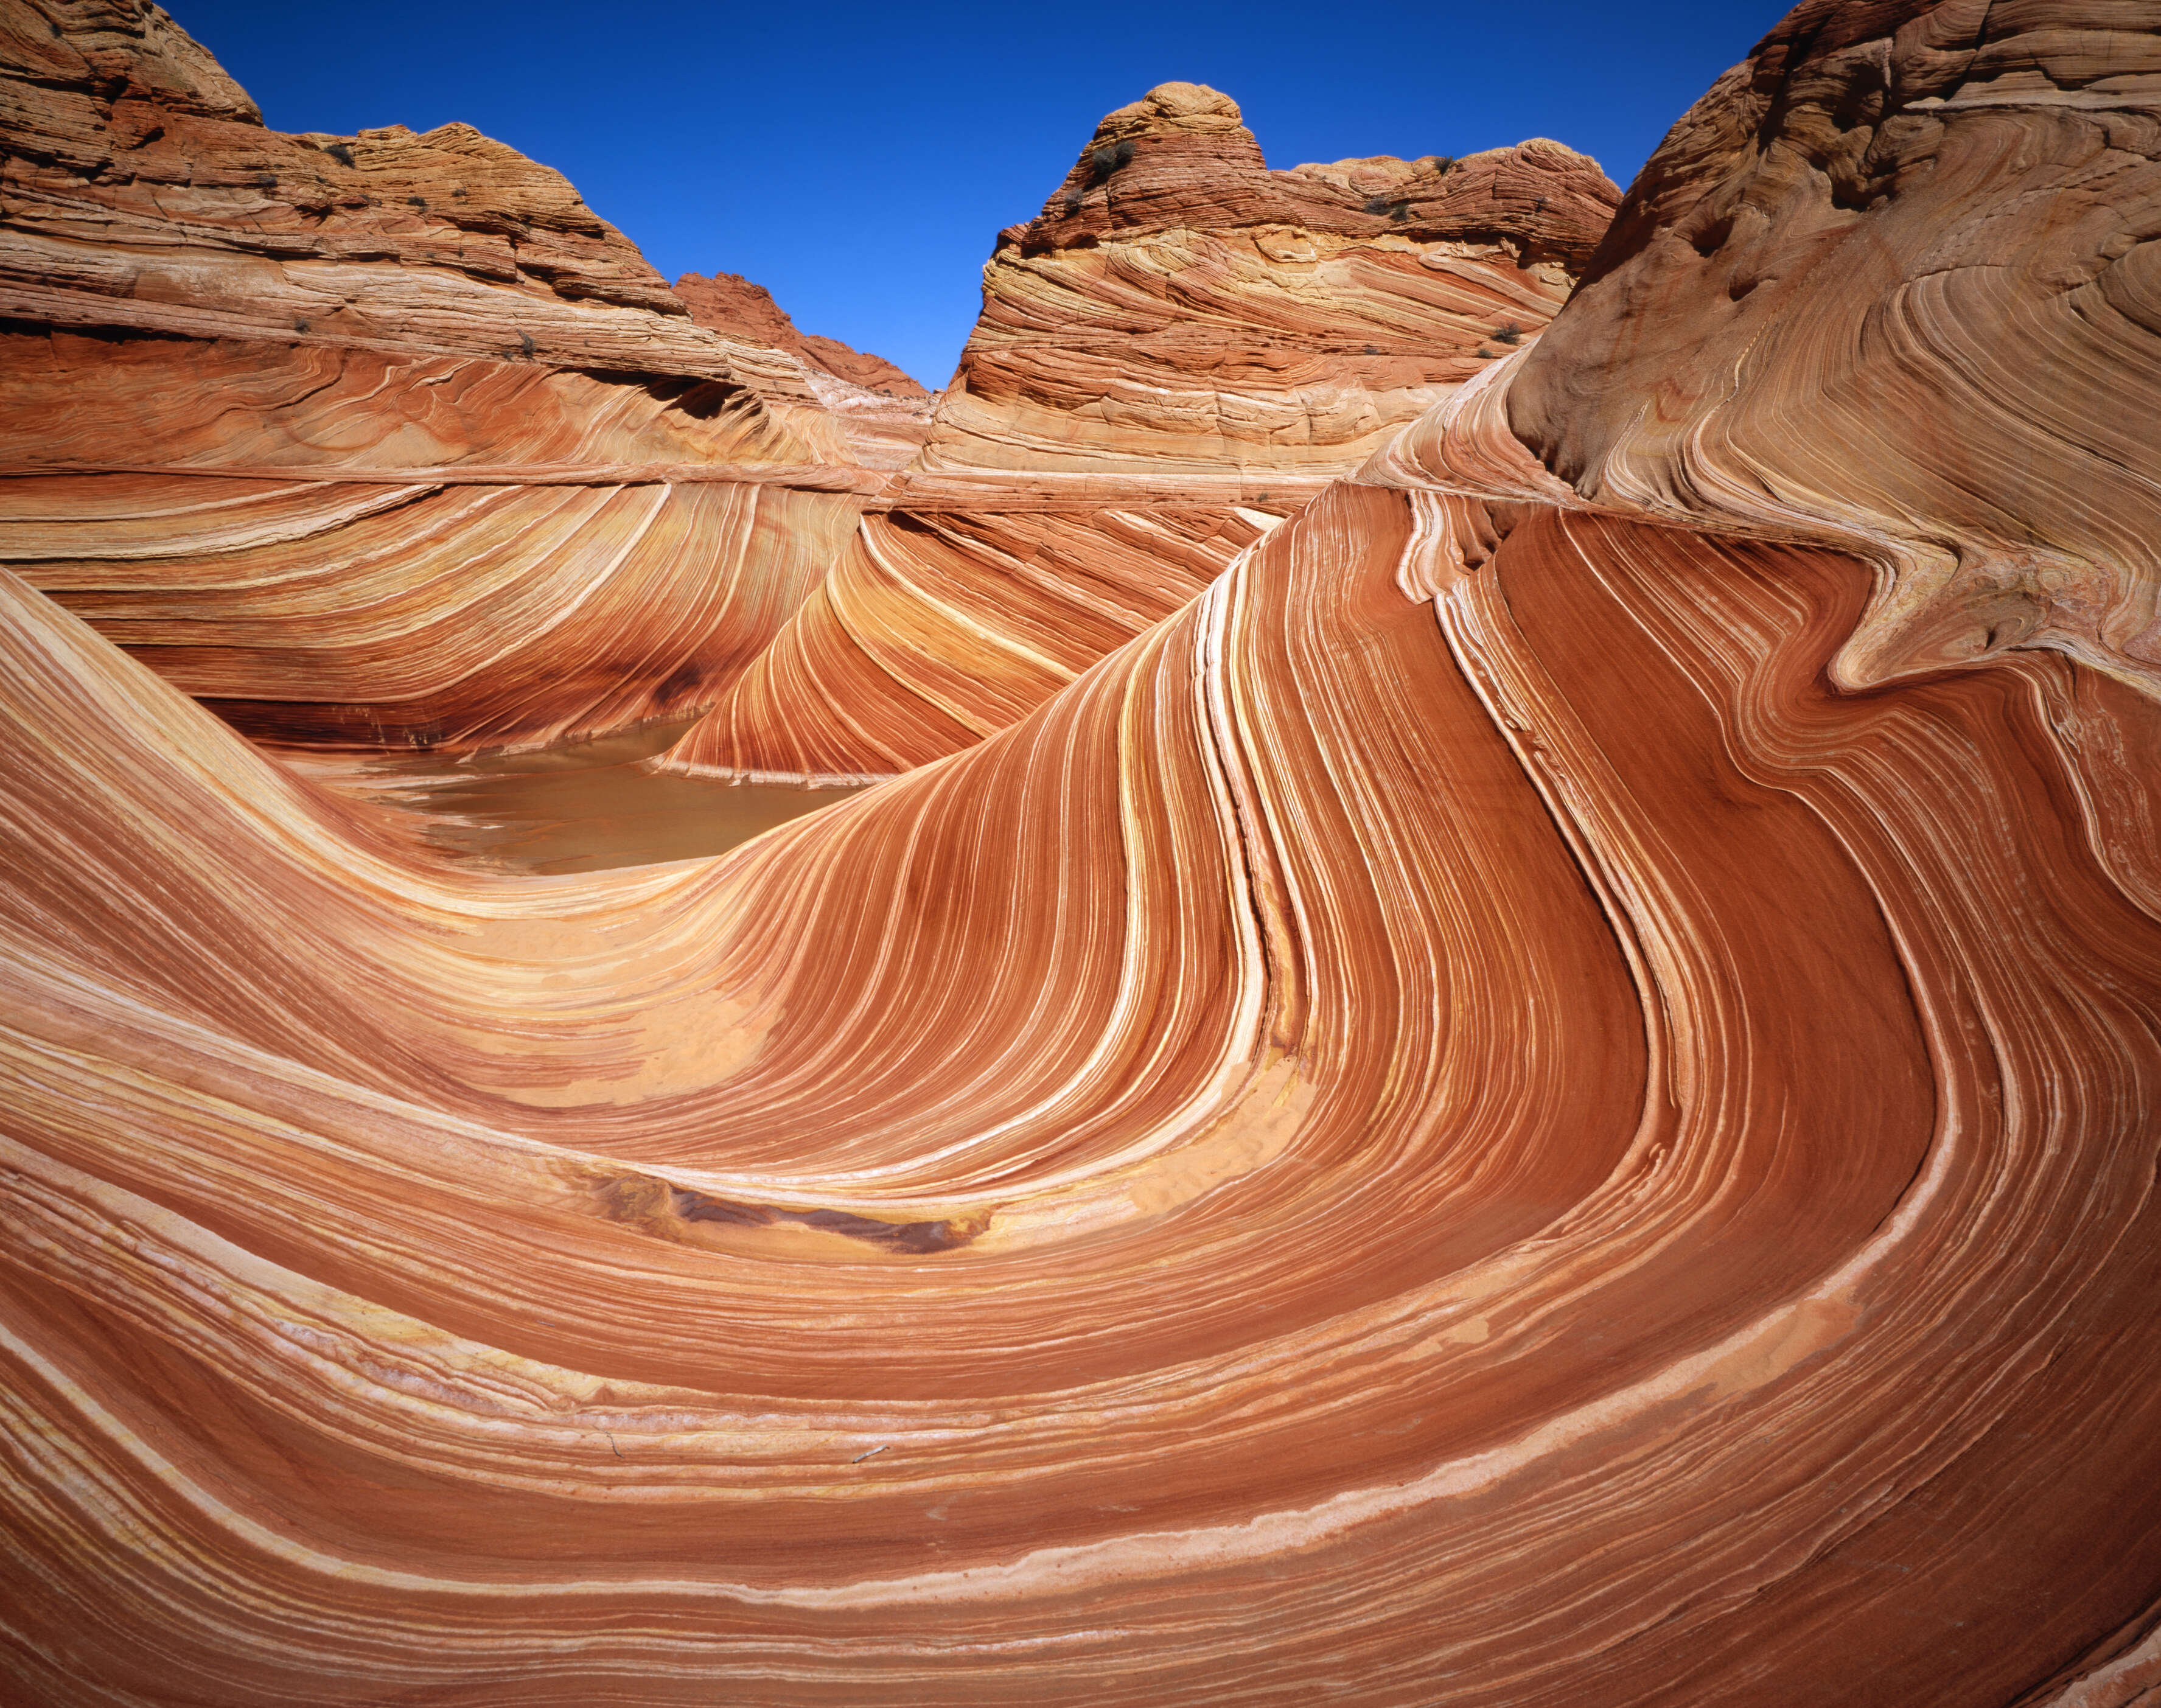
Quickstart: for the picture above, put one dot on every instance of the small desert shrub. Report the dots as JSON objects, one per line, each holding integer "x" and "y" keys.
{"x": 1104, "y": 161}
{"x": 340, "y": 152}
{"x": 1507, "y": 332}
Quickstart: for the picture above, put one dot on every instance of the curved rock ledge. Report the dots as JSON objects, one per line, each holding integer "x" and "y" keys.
{"x": 1469, "y": 1116}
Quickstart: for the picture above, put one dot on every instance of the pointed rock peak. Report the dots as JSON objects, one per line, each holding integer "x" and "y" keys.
{"x": 1168, "y": 108}
{"x": 1181, "y": 157}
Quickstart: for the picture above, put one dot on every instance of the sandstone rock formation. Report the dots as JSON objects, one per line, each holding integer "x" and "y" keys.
{"x": 734, "y": 307}
{"x": 1479, "y": 1116}
{"x": 444, "y": 326}
{"x": 561, "y": 506}
{"x": 1178, "y": 311}
{"x": 1884, "y": 208}
{"x": 1181, "y": 350}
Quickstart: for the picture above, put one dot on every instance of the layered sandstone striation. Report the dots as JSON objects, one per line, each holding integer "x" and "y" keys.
{"x": 385, "y": 439}
{"x": 1477, "y": 1116}
{"x": 936, "y": 628}
{"x": 1178, "y": 353}
{"x": 1885, "y": 209}
{"x": 1179, "y": 309}
{"x": 1181, "y": 157}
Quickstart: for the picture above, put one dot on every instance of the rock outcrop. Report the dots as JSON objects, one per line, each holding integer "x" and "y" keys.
{"x": 1885, "y": 211}
{"x": 557, "y": 505}
{"x": 1178, "y": 352}
{"x": 1483, "y": 1114}
{"x": 1177, "y": 310}
{"x": 734, "y": 307}
{"x": 1181, "y": 157}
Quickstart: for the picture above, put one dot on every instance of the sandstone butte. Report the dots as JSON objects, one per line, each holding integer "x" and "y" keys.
{"x": 1543, "y": 1091}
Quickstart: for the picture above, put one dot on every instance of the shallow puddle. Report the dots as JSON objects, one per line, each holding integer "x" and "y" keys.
{"x": 586, "y": 808}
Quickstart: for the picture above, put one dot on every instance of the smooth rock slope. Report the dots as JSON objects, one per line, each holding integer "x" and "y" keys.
{"x": 1523, "y": 1102}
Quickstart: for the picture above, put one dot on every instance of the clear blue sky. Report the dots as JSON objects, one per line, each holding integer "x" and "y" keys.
{"x": 858, "y": 159}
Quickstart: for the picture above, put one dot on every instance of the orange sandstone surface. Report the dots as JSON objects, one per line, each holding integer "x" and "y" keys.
{"x": 383, "y": 440}
{"x": 1182, "y": 350}
{"x": 1541, "y": 1089}
{"x": 731, "y": 305}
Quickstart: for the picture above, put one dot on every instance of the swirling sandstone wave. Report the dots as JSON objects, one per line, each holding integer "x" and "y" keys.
{"x": 1184, "y": 1293}
{"x": 1180, "y": 351}
{"x": 1896, "y": 281}
{"x": 379, "y": 438}
{"x": 1461, "y": 1119}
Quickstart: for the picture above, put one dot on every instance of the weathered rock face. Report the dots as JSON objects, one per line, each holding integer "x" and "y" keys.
{"x": 1178, "y": 309}
{"x": 1459, "y": 1121}
{"x": 136, "y": 167}
{"x": 562, "y": 506}
{"x": 1885, "y": 208}
{"x": 883, "y": 414}
{"x": 1180, "y": 157}
{"x": 1182, "y": 350}
{"x": 733, "y": 306}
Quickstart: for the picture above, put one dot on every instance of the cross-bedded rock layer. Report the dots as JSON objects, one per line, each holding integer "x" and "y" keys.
{"x": 202, "y": 301}
{"x": 1471, "y": 1117}
{"x": 1180, "y": 351}
{"x": 381, "y": 439}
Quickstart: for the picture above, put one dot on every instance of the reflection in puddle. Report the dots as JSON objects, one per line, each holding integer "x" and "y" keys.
{"x": 580, "y": 809}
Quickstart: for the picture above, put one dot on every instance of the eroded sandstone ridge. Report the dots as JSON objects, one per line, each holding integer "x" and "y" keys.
{"x": 1542, "y": 1096}
{"x": 734, "y": 306}
{"x": 1179, "y": 352}
{"x": 384, "y": 439}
